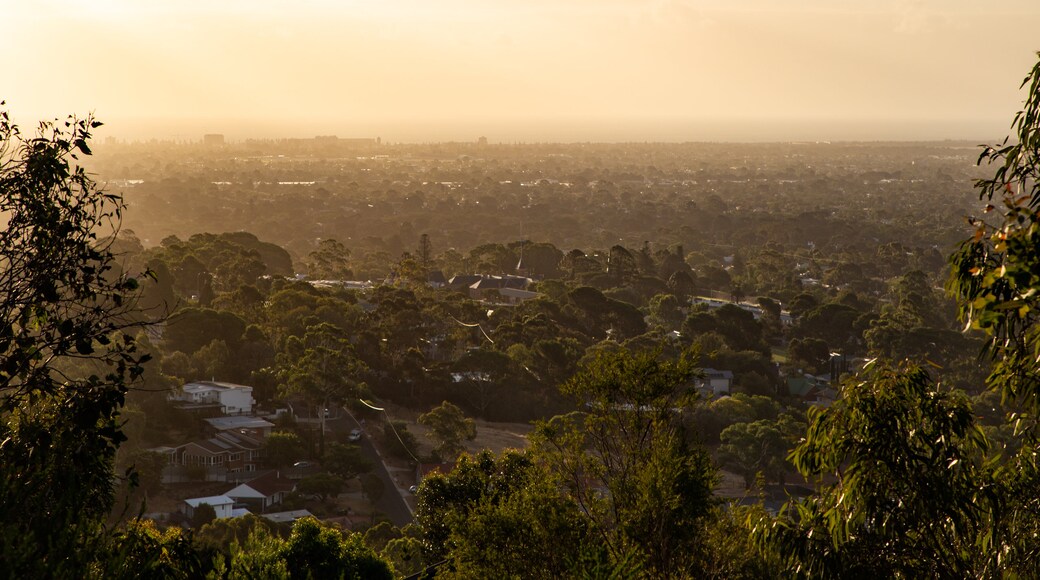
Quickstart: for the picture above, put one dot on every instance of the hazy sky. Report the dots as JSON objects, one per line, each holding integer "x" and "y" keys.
{"x": 530, "y": 70}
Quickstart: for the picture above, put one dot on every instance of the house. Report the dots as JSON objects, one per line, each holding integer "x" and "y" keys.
{"x": 222, "y": 505}
{"x": 229, "y": 398}
{"x": 712, "y": 303}
{"x": 262, "y": 492}
{"x": 228, "y": 452}
{"x": 287, "y": 517}
{"x": 253, "y": 427}
{"x": 463, "y": 281}
{"x": 815, "y": 390}
{"x": 489, "y": 287}
{"x": 714, "y": 382}
{"x": 516, "y": 295}
{"x": 436, "y": 279}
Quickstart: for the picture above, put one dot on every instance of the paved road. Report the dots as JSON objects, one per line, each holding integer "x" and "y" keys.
{"x": 392, "y": 503}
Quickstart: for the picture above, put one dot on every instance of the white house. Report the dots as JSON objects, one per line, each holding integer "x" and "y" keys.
{"x": 232, "y": 399}
{"x": 262, "y": 492}
{"x": 222, "y": 505}
{"x": 712, "y": 303}
{"x": 716, "y": 383}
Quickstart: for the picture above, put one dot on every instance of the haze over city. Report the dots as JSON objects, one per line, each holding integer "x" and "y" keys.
{"x": 390, "y": 289}
{"x": 567, "y": 70}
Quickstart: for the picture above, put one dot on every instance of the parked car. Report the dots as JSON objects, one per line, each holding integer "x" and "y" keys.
{"x": 355, "y": 435}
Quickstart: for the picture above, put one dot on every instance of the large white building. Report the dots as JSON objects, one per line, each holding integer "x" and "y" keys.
{"x": 232, "y": 399}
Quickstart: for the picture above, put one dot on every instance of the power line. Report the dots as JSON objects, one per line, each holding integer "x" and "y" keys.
{"x": 390, "y": 422}
{"x": 475, "y": 324}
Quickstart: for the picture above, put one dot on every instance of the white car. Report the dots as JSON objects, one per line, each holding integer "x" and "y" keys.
{"x": 355, "y": 435}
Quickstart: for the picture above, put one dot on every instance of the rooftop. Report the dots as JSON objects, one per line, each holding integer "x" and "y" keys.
{"x": 290, "y": 516}
{"x": 238, "y": 422}
{"x": 209, "y": 386}
{"x": 211, "y": 500}
{"x": 716, "y": 374}
{"x": 269, "y": 484}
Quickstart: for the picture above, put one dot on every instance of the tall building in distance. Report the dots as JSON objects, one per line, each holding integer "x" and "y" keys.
{"x": 213, "y": 139}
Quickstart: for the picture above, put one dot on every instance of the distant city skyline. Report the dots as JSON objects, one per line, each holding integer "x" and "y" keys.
{"x": 530, "y": 71}
{"x": 568, "y": 131}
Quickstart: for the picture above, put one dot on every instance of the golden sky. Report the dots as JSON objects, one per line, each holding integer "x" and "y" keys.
{"x": 523, "y": 70}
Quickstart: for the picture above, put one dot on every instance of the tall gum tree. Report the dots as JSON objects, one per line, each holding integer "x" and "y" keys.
{"x": 322, "y": 367}
{"x": 626, "y": 457}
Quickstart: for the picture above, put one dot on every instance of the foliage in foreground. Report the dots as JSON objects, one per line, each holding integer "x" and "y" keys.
{"x": 63, "y": 302}
{"x": 908, "y": 493}
{"x": 996, "y": 280}
{"x": 617, "y": 490}
{"x": 912, "y": 489}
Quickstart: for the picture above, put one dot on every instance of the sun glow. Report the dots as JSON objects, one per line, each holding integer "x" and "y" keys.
{"x": 398, "y": 62}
